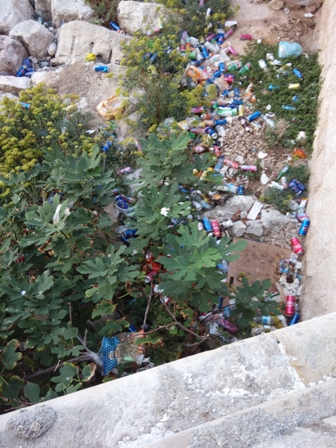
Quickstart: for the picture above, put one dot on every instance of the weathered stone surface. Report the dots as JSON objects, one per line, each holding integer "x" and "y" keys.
{"x": 69, "y": 10}
{"x": 52, "y": 49}
{"x": 12, "y": 53}
{"x": 134, "y": 16}
{"x": 12, "y": 84}
{"x": 254, "y": 228}
{"x": 43, "y": 9}
{"x": 319, "y": 282}
{"x": 13, "y": 12}
{"x": 238, "y": 229}
{"x": 77, "y": 39}
{"x": 34, "y": 36}
{"x": 231, "y": 206}
{"x": 272, "y": 219}
{"x": 32, "y": 423}
{"x": 81, "y": 79}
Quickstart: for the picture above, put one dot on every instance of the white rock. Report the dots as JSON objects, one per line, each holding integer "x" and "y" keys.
{"x": 254, "y": 228}
{"x": 34, "y": 36}
{"x": 135, "y": 16}
{"x": 43, "y": 9}
{"x": 276, "y": 4}
{"x": 272, "y": 219}
{"x": 77, "y": 39}
{"x": 12, "y": 84}
{"x": 238, "y": 229}
{"x": 231, "y": 206}
{"x": 52, "y": 49}
{"x": 69, "y": 10}
{"x": 12, "y": 54}
{"x": 13, "y": 12}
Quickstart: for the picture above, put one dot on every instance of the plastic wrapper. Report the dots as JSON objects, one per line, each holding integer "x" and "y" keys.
{"x": 109, "y": 108}
{"x": 120, "y": 349}
{"x": 289, "y": 49}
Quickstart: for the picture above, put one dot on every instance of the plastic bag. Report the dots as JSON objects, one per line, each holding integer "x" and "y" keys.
{"x": 288, "y": 49}
{"x": 109, "y": 108}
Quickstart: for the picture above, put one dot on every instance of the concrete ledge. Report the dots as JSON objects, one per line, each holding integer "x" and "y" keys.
{"x": 151, "y": 405}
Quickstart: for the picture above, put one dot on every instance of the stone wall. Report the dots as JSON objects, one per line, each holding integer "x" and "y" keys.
{"x": 320, "y": 261}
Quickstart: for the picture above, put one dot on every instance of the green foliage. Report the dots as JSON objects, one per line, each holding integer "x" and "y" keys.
{"x": 250, "y": 299}
{"x": 25, "y": 133}
{"x": 304, "y": 118}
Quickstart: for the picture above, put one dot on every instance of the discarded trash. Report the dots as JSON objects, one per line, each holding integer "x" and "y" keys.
{"x": 26, "y": 65}
{"x": 289, "y": 49}
{"x": 90, "y": 57}
{"x": 109, "y": 108}
{"x": 304, "y": 227}
{"x": 255, "y": 210}
{"x": 101, "y": 68}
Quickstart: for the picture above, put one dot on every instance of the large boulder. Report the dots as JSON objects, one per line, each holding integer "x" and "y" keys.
{"x": 13, "y": 12}
{"x": 43, "y": 9}
{"x": 12, "y": 54}
{"x": 77, "y": 39}
{"x": 34, "y": 36}
{"x": 12, "y": 84}
{"x": 231, "y": 207}
{"x": 136, "y": 16}
{"x": 69, "y": 10}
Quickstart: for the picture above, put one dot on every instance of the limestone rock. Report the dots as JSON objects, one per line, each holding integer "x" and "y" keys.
{"x": 276, "y": 4}
{"x": 13, "y": 12}
{"x": 12, "y": 53}
{"x": 135, "y": 16}
{"x": 272, "y": 219}
{"x": 43, "y": 9}
{"x": 69, "y": 10}
{"x": 34, "y": 36}
{"x": 30, "y": 424}
{"x": 52, "y": 49}
{"x": 12, "y": 84}
{"x": 254, "y": 228}
{"x": 238, "y": 229}
{"x": 77, "y": 39}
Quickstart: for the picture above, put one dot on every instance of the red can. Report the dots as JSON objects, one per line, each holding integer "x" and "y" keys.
{"x": 296, "y": 246}
{"x": 217, "y": 150}
{"x": 245, "y": 37}
{"x": 290, "y": 305}
{"x": 231, "y": 164}
{"x": 215, "y": 228}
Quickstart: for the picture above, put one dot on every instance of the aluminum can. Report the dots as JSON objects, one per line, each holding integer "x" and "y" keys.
{"x": 236, "y": 91}
{"x": 271, "y": 87}
{"x": 245, "y": 37}
{"x": 207, "y": 224}
{"x": 149, "y": 277}
{"x": 290, "y": 305}
{"x": 240, "y": 190}
{"x": 215, "y": 228}
{"x": 221, "y": 122}
{"x": 262, "y": 64}
{"x": 296, "y": 246}
{"x": 294, "y": 86}
{"x": 297, "y": 73}
{"x": 304, "y": 227}
{"x": 25, "y": 105}
{"x": 288, "y": 107}
{"x": 107, "y": 146}
{"x": 125, "y": 170}
{"x": 295, "y": 319}
{"x": 200, "y": 226}
{"x": 211, "y": 132}
{"x": 296, "y": 186}
{"x": 197, "y": 110}
{"x": 130, "y": 233}
{"x": 121, "y": 202}
{"x": 101, "y": 68}
{"x": 231, "y": 49}
{"x": 205, "y": 52}
{"x": 241, "y": 111}
{"x": 231, "y": 164}
{"x": 228, "y": 34}
{"x": 220, "y": 38}
{"x": 283, "y": 181}
{"x": 301, "y": 216}
{"x": 248, "y": 168}
{"x": 254, "y": 116}
{"x": 221, "y": 66}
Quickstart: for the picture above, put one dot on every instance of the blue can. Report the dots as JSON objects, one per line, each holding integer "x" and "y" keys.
{"x": 207, "y": 224}
{"x": 219, "y": 164}
{"x": 220, "y": 38}
{"x": 218, "y": 74}
{"x": 304, "y": 227}
{"x": 288, "y": 107}
{"x": 130, "y": 233}
{"x": 236, "y": 102}
{"x": 101, "y": 68}
{"x": 221, "y": 66}
{"x": 220, "y": 122}
{"x": 25, "y": 105}
{"x": 297, "y": 73}
{"x": 211, "y": 132}
{"x": 254, "y": 116}
{"x": 240, "y": 190}
{"x": 296, "y": 186}
{"x": 115, "y": 26}
{"x": 295, "y": 319}
{"x": 225, "y": 93}
{"x": 271, "y": 87}
{"x": 237, "y": 92}
{"x": 107, "y": 146}
{"x": 121, "y": 202}
{"x": 205, "y": 52}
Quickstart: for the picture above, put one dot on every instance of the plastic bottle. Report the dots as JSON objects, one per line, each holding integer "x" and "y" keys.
{"x": 245, "y": 68}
